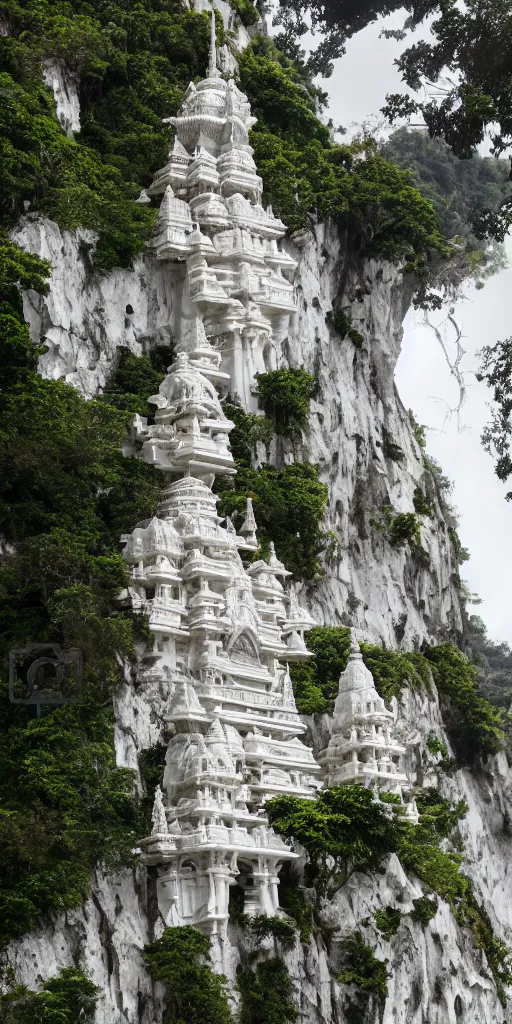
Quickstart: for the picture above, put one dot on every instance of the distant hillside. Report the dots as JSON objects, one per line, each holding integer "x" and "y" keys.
{"x": 494, "y": 661}
{"x": 458, "y": 189}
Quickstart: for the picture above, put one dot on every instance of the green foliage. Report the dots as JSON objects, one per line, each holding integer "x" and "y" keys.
{"x": 294, "y": 903}
{"x": 345, "y": 830}
{"x": 493, "y": 661}
{"x": 307, "y": 176}
{"x": 477, "y": 99}
{"x": 422, "y": 505}
{"x": 60, "y": 177}
{"x": 499, "y": 957}
{"x": 246, "y": 11}
{"x": 67, "y": 998}
{"x": 279, "y": 928}
{"x": 315, "y": 682}
{"x": 18, "y": 269}
{"x": 285, "y": 395}
{"x": 456, "y": 189}
{"x": 289, "y": 505}
{"x": 436, "y": 746}
{"x": 64, "y": 807}
{"x": 362, "y": 968}
{"x": 341, "y": 322}
{"x": 459, "y": 40}
{"x": 392, "y": 670}
{"x": 474, "y": 726}
{"x": 402, "y": 528}
{"x": 424, "y": 909}
{"x": 249, "y": 430}
{"x": 267, "y": 994}
{"x": 195, "y": 994}
{"x": 496, "y": 371}
{"x": 66, "y": 495}
{"x": 461, "y": 553}
{"x": 399, "y": 527}
{"x": 334, "y": 21}
{"x": 387, "y": 920}
{"x": 133, "y": 66}
{"x": 344, "y": 825}
{"x": 134, "y": 379}
{"x": 418, "y": 430}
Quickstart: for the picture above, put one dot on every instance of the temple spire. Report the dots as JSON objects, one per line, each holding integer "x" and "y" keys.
{"x": 212, "y": 69}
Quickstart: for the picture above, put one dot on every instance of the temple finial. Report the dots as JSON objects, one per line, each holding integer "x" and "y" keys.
{"x": 212, "y": 69}
{"x": 355, "y": 650}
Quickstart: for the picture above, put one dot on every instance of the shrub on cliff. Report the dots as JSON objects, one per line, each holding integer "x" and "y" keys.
{"x": 345, "y": 830}
{"x": 285, "y": 396}
{"x": 267, "y": 994}
{"x": 67, "y": 998}
{"x": 181, "y": 961}
{"x": 289, "y": 505}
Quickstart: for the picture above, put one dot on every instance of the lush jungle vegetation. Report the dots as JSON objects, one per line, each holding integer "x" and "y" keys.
{"x": 67, "y": 998}
{"x": 346, "y": 831}
{"x": 66, "y": 495}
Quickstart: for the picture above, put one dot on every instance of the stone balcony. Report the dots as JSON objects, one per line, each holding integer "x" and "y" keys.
{"x": 358, "y": 771}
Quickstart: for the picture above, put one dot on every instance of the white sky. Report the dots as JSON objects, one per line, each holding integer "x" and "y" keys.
{"x": 357, "y": 90}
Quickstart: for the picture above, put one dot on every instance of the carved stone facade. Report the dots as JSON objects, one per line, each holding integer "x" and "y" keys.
{"x": 211, "y": 218}
{"x": 223, "y": 632}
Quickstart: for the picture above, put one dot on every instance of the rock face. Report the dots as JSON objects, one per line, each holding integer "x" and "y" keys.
{"x": 356, "y": 421}
{"x": 382, "y": 590}
{"x": 65, "y": 92}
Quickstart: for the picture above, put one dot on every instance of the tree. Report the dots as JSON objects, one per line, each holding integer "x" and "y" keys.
{"x": 181, "y": 960}
{"x": 457, "y": 189}
{"x": 471, "y": 44}
{"x": 336, "y": 20}
{"x": 343, "y": 830}
{"x": 67, "y": 998}
{"x": 496, "y": 371}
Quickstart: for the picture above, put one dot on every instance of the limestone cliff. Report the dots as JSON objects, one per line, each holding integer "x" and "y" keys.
{"x": 436, "y": 974}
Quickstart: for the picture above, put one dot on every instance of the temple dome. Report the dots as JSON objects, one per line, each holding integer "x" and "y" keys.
{"x": 185, "y": 390}
{"x": 189, "y": 496}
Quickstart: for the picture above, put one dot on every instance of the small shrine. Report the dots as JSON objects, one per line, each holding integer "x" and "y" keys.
{"x": 363, "y": 747}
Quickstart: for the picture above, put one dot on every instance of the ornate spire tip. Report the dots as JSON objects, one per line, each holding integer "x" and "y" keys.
{"x": 212, "y": 70}
{"x": 355, "y": 651}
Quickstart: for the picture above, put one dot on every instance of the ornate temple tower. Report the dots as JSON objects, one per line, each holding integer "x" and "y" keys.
{"x": 211, "y": 218}
{"x": 223, "y": 633}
